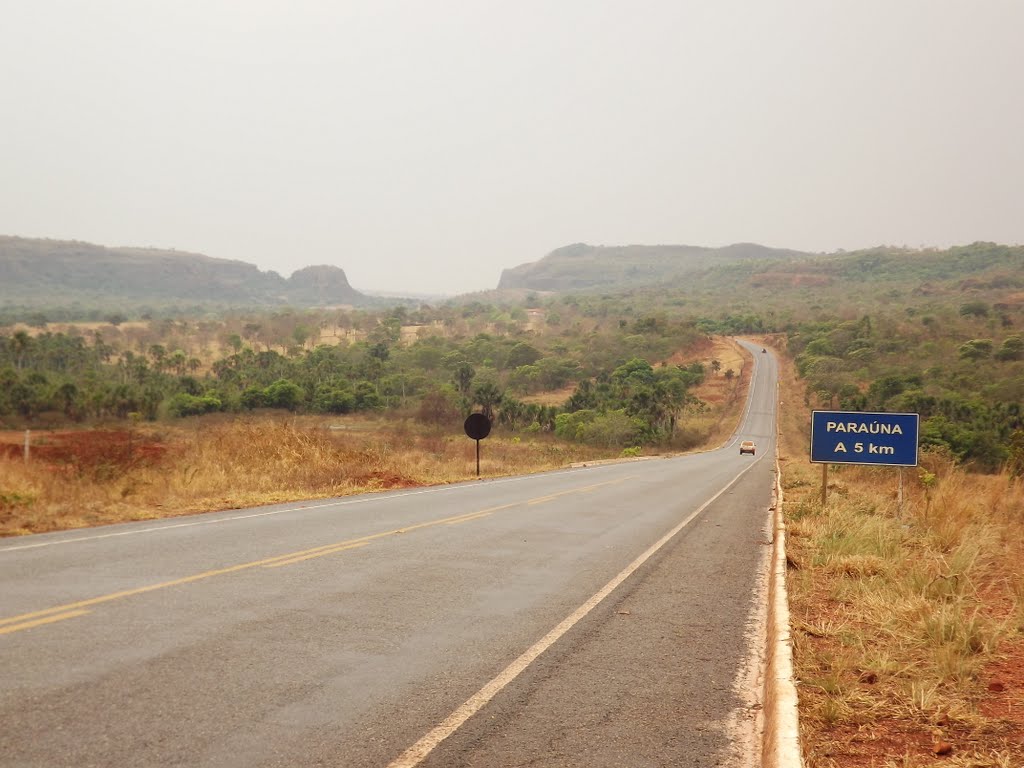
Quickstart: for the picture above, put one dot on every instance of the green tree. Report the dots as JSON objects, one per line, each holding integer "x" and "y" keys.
{"x": 614, "y": 429}
{"x": 525, "y": 379}
{"x": 178, "y": 362}
{"x": 556, "y": 372}
{"x": 976, "y": 349}
{"x": 20, "y": 343}
{"x": 633, "y": 373}
{"x": 283, "y": 394}
{"x": 333, "y": 399}
{"x": 976, "y": 308}
{"x": 159, "y": 354}
{"x": 464, "y": 374}
{"x": 253, "y": 397}
{"x": 487, "y": 395}
{"x": 513, "y": 413}
{"x": 569, "y": 426}
{"x": 367, "y": 397}
{"x": 1012, "y": 348}
{"x": 301, "y": 334}
{"x": 66, "y": 398}
{"x": 183, "y": 404}
{"x": 522, "y": 354}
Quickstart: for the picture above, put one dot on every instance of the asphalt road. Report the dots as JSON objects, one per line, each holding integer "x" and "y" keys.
{"x": 599, "y": 616}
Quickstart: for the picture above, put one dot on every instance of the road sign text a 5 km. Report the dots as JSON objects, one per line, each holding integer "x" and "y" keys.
{"x": 849, "y": 437}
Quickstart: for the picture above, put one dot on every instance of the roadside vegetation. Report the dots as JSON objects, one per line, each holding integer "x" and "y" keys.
{"x": 907, "y": 615}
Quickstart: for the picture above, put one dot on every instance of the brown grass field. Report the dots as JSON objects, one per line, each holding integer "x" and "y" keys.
{"x": 94, "y": 477}
{"x": 908, "y": 619}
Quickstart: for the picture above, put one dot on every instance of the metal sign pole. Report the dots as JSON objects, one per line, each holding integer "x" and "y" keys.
{"x": 899, "y": 494}
{"x": 824, "y": 484}
{"x": 477, "y": 427}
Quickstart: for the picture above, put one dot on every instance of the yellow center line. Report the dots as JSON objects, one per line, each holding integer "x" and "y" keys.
{"x": 477, "y": 516}
{"x": 586, "y": 489}
{"x": 283, "y": 559}
{"x": 70, "y": 610}
{"x": 279, "y": 563}
{"x": 48, "y": 620}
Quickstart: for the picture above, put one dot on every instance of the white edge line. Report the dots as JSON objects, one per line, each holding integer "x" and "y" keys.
{"x": 363, "y": 499}
{"x": 415, "y": 754}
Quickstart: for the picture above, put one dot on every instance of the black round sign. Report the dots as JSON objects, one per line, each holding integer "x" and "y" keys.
{"x": 477, "y": 426}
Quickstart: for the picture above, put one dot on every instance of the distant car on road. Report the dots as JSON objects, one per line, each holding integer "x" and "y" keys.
{"x": 747, "y": 446}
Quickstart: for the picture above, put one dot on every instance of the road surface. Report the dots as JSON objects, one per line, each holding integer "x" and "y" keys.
{"x": 598, "y": 616}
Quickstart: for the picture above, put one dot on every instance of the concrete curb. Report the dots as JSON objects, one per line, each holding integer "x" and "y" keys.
{"x": 780, "y": 747}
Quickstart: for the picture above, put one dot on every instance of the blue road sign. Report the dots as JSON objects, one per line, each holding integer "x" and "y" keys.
{"x": 848, "y": 437}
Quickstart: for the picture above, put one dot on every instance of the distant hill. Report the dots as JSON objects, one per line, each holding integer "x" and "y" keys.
{"x": 55, "y": 272}
{"x": 582, "y": 266}
{"x": 958, "y": 271}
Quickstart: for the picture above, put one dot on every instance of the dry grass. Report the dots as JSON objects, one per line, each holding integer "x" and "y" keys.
{"x": 219, "y": 463}
{"x": 75, "y": 328}
{"x": 551, "y": 397}
{"x": 723, "y": 394}
{"x": 908, "y": 627}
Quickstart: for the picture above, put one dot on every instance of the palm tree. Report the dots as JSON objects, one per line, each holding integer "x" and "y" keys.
{"x": 463, "y": 375}
{"x": 178, "y": 362}
{"x": 487, "y": 396}
{"x": 20, "y": 343}
{"x": 159, "y": 354}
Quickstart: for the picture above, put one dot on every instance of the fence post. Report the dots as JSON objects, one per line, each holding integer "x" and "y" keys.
{"x": 27, "y": 441}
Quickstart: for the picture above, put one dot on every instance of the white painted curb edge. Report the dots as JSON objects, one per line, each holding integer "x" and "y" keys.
{"x": 781, "y": 739}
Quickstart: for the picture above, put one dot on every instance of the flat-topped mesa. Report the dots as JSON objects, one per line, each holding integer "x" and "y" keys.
{"x": 60, "y": 271}
{"x": 580, "y": 266}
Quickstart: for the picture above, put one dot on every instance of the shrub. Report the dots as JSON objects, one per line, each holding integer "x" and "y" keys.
{"x": 974, "y": 309}
{"x": 1012, "y": 348}
{"x": 334, "y": 400}
{"x": 367, "y": 398}
{"x": 569, "y": 426}
{"x": 612, "y": 430}
{"x": 184, "y": 404}
{"x": 253, "y": 397}
{"x": 283, "y": 394}
{"x": 976, "y": 349}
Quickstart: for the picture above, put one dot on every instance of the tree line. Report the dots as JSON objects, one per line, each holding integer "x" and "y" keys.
{"x": 438, "y": 379}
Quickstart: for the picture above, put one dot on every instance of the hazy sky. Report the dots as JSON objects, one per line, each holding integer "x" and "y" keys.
{"x": 424, "y": 146}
